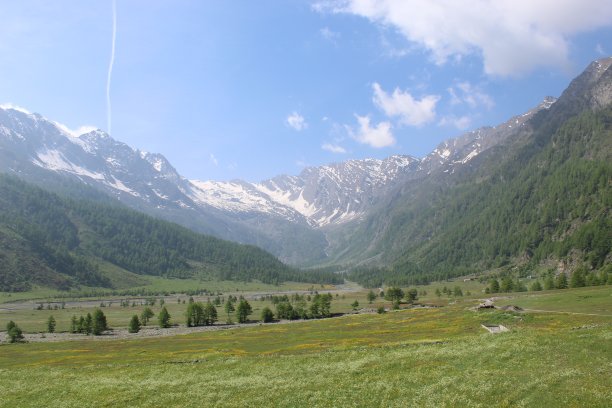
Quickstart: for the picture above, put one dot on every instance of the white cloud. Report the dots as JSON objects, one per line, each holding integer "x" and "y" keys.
{"x": 401, "y": 104}
{"x": 461, "y": 122}
{"x": 213, "y": 159}
{"x": 15, "y": 107}
{"x": 511, "y": 36}
{"x": 329, "y": 35}
{"x": 333, "y": 148}
{"x": 72, "y": 132}
{"x": 473, "y": 96}
{"x": 75, "y": 132}
{"x": 297, "y": 121}
{"x": 377, "y": 136}
{"x": 600, "y": 50}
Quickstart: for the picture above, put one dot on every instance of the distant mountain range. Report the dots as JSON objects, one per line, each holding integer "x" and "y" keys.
{"x": 301, "y": 207}
{"x": 343, "y": 213}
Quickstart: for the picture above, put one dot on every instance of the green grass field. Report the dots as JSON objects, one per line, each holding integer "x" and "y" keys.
{"x": 437, "y": 357}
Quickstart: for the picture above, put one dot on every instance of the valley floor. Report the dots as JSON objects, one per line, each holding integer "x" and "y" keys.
{"x": 438, "y": 357}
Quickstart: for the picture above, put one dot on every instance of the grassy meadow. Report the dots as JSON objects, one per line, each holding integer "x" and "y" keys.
{"x": 437, "y": 357}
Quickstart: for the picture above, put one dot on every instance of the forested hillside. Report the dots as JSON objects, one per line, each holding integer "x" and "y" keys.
{"x": 544, "y": 198}
{"x": 59, "y": 242}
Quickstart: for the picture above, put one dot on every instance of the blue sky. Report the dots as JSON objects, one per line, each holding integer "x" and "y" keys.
{"x": 252, "y": 89}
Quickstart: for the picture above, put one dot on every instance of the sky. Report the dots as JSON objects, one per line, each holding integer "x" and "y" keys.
{"x": 230, "y": 89}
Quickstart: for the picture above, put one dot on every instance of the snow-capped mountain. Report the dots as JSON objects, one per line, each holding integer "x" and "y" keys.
{"x": 317, "y": 198}
{"x": 323, "y": 195}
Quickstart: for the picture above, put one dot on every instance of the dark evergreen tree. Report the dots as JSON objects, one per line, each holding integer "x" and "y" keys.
{"x": 266, "y": 315}
{"x": 134, "y": 326}
{"x": 494, "y": 286}
{"x": 164, "y": 318}
{"x": 88, "y": 325}
{"x": 74, "y": 324}
{"x": 210, "y": 314}
{"x": 99, "y": 323}
{"x": 561, "y": 281}
{"x": 51, "y": 324}
{"x": 243, "y": 311}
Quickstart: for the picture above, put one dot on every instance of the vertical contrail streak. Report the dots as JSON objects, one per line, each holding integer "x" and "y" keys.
{"x": 110, "y": 71}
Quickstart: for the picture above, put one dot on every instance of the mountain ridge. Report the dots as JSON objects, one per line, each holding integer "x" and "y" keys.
{"x": 315, "y": 208}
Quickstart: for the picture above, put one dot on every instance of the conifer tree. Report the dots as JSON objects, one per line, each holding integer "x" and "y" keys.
{"x": 164, "y": 318}
{"x": 134, "y": 326}
{"x": 561, "y": 282}
{"x": 243, "y": 311}
{"x": 51, "y": 324}
{"x": 229, "y": 309}
{"x": 99, "y": 323}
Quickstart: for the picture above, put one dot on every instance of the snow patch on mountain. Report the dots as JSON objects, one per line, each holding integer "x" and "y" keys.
{"x": 55, "y": 160}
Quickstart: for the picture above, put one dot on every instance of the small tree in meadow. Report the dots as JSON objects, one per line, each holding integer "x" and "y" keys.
{"x": 134, "y": 326}
{"x": 412, "y": 295}
{"x": 164, "y": 318}
{"x": 371, "y": 296}
{"x": 267, "y": 315}
{"x": 210, "y": 314}
{"x": 51, "y": 324}
{"x": 88, "y": 324}
{"x": 229, "y": 309}
{"x": 13, "y": 332}
{"x": 355, "y": 305}
{"x": 243, "y": 311}
{"x": 394, "y": 294}
{"x": 146, "y": 314}
{"x": 99, "y": 323}
{"x": 74, "y": 324}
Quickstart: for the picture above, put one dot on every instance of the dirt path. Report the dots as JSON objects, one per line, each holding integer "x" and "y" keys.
{"x": 571, "y": 313}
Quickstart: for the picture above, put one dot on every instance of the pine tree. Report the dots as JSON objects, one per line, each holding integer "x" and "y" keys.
{"x": 164, "y": 318}
{"x": 355, "y": 305}
{"x": 210, "y": 314}
{"x": 51, "y": 324}
{"x": 561, "y": 282}
{"x": 73, "y": 324}
{"x": 134, "y": 326}
{"x": 229, "y": 309}
{"x": 99, "y": 324}
{"x": 494, "y": 286}
{"x": 243, "y": 311}
{"x": 371, "y": 296}
{"x": 578, "y": 280}
{"x": 146, "y": 314}
{"x": 549, "y": 283}
{"x": 266, "y": 315}
{"x": 88, "y": 325}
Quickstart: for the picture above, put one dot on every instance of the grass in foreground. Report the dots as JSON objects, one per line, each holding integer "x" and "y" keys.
{"x": 423, "y": 357}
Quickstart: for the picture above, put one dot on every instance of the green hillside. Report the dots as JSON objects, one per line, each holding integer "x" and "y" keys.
{"x": 50, "y": 240}
{"x": 541, "y": 199}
